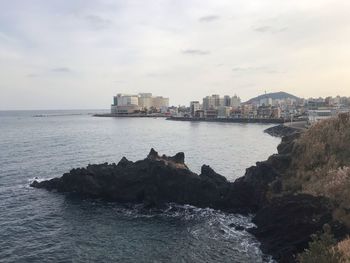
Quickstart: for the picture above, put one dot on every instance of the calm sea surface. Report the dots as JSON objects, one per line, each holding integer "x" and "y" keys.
{"x": 41, "y": 226}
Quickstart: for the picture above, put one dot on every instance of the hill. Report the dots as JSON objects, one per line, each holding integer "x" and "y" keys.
{"x": 274, "y": 95}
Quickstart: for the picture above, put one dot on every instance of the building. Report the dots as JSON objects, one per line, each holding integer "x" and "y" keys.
{"x": 125, "y": 104}
{"x": 226, "y": 101}
{"x": 212, "y": 102}
{"x": 200, "y": 114}
{"x": 207, "y": 103}
{"x": 224, "y": 112}
{"x": 265, "y": 112}
{"x": 235, "y": 101}
{"x": 321, "y": 114}
{"x": 194, "y": 107}
{"x": 147, "y": 101}
{"x": 128, "y": 104}
{"x": 211, "y": 114}
{"x": 160, "y": 102}
{"x": 217, "y": 101}
{"x": 276, "y": 112}
{"x": 265, "y": 102}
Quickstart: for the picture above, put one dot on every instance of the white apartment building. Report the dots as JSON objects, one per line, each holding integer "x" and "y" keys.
{"x": 235, "y": 101}
{"x": 126, "y": 104}
{"x": 194, "y": 106}
{"x": 321, "y": 114}
{"x": 147, "y": 101}
{"x": 160, "y": 102}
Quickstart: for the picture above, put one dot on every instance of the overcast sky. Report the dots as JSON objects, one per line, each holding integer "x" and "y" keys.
{"x": 71, "y": 54}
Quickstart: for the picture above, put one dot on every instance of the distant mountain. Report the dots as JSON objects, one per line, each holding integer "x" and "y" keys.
{"x": 275, "y": 95}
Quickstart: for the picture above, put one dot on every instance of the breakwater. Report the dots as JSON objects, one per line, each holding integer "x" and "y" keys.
{"x": 231, "y": 120}
{"x": 130, "y": 115}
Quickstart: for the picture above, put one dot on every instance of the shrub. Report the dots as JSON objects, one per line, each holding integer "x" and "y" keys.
{"x": 321, "y": 161}
{"x": 344, "y": 248}
{"x": 322, "y": 249}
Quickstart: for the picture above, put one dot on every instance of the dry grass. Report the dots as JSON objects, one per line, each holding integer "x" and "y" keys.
{"x": 324, "y": 147}
{"x": 344, "y": 248}
{"x": 321, "y": 163}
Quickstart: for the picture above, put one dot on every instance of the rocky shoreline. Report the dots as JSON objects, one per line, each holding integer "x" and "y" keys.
{"x": 154, "y": 181}
{"x": 281, "y": 130}
{"x": 284, "y": 222}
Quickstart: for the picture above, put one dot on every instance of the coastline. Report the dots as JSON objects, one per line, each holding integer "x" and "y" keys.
{"x": 148, "y": 182}
{"x": 280, "y": 121}
{"x": 285, "y": 218}
{"x": 286, "y": 129}
{"x": 231, "y": 120}
{"x": 129, "y": 115}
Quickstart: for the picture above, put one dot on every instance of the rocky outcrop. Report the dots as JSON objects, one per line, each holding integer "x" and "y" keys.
{"x": 281, "y": 130}
{"x": 266, "y": 176}
{"x": 284, "y": 221}
{"x": 285, "y": 224}
{"x": 156, "y": 180}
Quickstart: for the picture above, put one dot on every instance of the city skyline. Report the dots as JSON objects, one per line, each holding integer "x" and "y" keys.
{"x": 76, "y": 55}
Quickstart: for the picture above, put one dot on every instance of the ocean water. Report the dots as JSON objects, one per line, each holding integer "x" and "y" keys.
{"x": 41, "y": 226}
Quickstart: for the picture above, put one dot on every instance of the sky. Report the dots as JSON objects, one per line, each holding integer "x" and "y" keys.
{"x": 77, "y": 54}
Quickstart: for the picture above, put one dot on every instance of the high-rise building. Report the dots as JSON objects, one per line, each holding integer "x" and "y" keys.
{"x": 160, "y": 102}
{"x": 208, "y": 103}
{"x": 216, "y": 98}
{"x": 226, "y": 101}
{"x": 211, "y": 102}
{"x": 194, "y": 106}
{"x": 125, "y": 104}
{"x": 235, "y": 101}
{"x": 147, "y": 101}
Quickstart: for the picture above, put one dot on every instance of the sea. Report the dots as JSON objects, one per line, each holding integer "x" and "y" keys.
{"x": 41, "y": 226}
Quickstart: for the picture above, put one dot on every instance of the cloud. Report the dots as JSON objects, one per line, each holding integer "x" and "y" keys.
{"x": 157, "y": 74}
{"x": 61, "y": 70}
{"x": 98, "y": 22}
{"x": 5, "y": 37}
{"x": 195, "y": 52}
{"x": 262, "y": 69}
{"x": 209, "y": 18}
{"x": 32, "y": 75}
{"x": 274, "y": 44}
{"x": 247, "y": 69}
{"x": 269, "y": 29}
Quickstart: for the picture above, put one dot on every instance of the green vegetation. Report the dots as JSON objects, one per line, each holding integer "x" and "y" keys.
{"x": 322, "y": 249}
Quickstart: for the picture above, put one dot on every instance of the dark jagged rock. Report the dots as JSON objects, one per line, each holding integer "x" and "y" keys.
{"x": 265, "y": 176}
{"x": 154, "y": 181}
{"x": 285, "y": 225}
{"x": 281, "y": 130}
{"x": 124, "y": 162}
